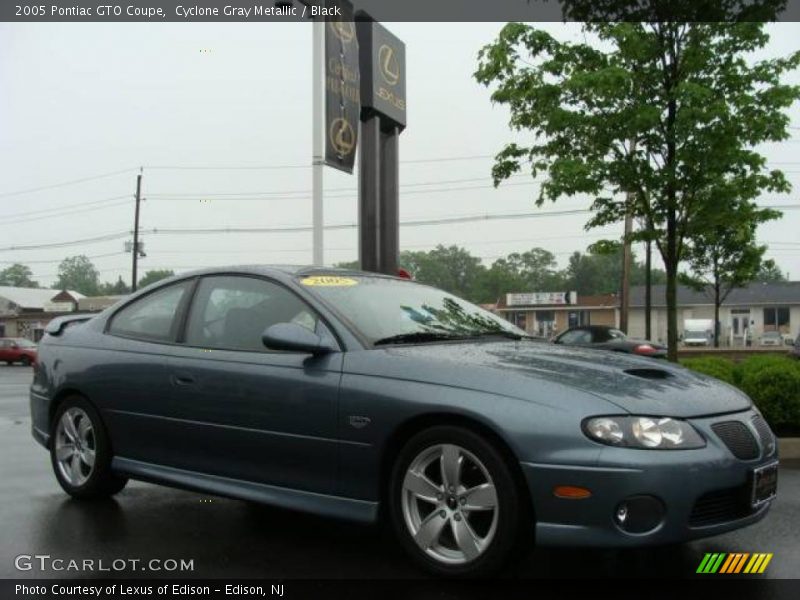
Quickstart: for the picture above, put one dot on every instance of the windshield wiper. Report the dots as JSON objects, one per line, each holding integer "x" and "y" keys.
{"x": 502, "y": 333}
{"x": 418, "y": 336}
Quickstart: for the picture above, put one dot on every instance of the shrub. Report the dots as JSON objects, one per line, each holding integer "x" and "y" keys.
{"x": 754, "y": 364}
{"x": 775, "y": 389}
{"x": 721, "y": 368}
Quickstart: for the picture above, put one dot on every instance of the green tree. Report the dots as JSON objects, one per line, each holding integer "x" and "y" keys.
{"x": 18, "y": 275}
{"x": 770, "y": 272}
{"x": 155, "y": 275}
{"x": 119, "y": 288}
{"x": 649, "y": 119}
{"x": 723, "y": 253}
{"x": 77, "y": 273}
{"x": 452, "y": 269}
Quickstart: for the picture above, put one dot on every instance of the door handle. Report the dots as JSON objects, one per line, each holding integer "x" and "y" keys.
{"x": 182, "y": 379}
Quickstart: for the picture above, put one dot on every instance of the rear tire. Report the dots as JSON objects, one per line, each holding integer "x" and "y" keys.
{"x": 26, "y": 362}
{"x": 454, "y": 504}
{"x": 80, "y": 451}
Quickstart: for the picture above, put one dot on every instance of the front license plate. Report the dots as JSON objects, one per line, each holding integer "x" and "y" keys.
{"x": 765, "y": 484}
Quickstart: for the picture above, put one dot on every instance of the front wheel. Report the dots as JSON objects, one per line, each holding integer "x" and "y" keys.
{"x": 26, "y": 362}
{"x": 80, "y": 451}
{"x": 454, "y": 504}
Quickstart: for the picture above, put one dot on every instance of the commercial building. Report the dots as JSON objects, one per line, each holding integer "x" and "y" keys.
{"x": 24, "y": 312}
{"x": 545, "y": 314}
{"x": 745, "y": 315}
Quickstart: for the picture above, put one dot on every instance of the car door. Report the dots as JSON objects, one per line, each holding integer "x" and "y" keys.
{"x": 5, "y": 353}
{"x": 128, "y": 377}
{"x": 245, "y": 412}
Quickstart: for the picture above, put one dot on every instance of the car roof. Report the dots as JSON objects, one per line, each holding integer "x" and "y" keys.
{"x": 283, "y": 270}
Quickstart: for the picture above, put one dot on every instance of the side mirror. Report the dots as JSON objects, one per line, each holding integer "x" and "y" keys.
{"x": 295, "y": 338}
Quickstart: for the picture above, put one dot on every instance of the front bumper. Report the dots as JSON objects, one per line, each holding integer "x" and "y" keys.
{"x": 704, "y": 492}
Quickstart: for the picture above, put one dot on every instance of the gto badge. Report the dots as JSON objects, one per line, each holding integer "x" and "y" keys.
{"x": 359, "y": 422}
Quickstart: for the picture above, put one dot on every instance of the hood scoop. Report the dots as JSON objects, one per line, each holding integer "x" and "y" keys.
{"x": 646, "y": 373}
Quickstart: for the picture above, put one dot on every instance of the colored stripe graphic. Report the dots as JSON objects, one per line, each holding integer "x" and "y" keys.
{"x": 765, "y": 563}
{"x": 741, "y": 562}
{"x": 735, "y": 562}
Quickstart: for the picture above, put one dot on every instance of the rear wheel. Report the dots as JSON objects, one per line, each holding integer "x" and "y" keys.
{"x": 80, "y": 451}
{"x": 454, "y": 504}
{"x": 26, "y": 361}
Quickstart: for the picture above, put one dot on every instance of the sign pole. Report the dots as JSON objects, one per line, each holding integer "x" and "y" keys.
{"x": 369, "y": 192}
{"x": 389, "y": 208}
{"x": 318, "y": 48}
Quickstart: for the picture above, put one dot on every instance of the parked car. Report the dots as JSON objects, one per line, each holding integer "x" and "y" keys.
{"x": 603, "y": 337}
{"x": 364, "y": 396}
{"x": 796, "y": 347}
{"x": 771, "y": 338}
{"x": 17, "y": 350}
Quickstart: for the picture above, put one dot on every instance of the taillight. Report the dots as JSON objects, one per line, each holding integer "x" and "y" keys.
{"x": 644, "y": 349}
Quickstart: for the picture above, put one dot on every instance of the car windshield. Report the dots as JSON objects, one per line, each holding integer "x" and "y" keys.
{"x": 391, "y": 310}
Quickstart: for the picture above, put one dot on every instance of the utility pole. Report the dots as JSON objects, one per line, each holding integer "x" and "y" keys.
{"x": 135, "y": 249}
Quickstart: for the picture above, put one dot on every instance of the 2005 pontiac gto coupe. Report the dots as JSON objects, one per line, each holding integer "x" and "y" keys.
{"x": 363, "y": 396}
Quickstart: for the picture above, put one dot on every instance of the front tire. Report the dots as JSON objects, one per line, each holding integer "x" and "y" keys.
{"x": 454, "y": 504}
{"x": 26, "y": 362}
{"x": 80, "y": 451}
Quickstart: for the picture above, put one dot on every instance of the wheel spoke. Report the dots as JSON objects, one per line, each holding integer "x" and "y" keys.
{"x": 421, "y": 486}
{"x": 69, "y": 427}
{"x": 65, "y": 452}
{"x": 75, "y": 469}
{"x": 84, "y": 428}
{"x": 451, "y": 466}
{"x": 430, "y": 529}
{"x": 466, "y": 540}
{"x": 87, "y": 455}
{"x": 480, "y": 497}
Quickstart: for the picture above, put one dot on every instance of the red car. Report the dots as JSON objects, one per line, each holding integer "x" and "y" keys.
{"x": 17, "y": 350}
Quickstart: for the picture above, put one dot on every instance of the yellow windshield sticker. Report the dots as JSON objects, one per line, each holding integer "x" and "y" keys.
{"x": 329, "y": 280}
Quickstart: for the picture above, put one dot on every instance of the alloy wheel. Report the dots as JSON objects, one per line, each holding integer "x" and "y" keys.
{"x": 75, "y": 446}
{"x": 449, "y": 504}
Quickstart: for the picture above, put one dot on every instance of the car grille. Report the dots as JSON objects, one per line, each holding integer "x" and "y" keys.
{"x": 720, "y": 506}
{"x": 738, "y": 438}
{"x": 765, "y": 434}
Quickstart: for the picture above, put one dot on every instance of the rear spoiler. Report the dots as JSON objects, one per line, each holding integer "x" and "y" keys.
{"x": 59, "y": 324}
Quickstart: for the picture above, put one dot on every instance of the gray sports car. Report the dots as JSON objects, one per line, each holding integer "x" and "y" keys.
{"x": 368, "y": 397}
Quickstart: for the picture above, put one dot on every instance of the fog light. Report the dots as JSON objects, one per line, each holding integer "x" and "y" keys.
{"x": 639, "y": 514}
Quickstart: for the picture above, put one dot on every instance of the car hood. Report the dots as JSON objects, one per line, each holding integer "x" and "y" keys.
{"x": 634, "y": 384}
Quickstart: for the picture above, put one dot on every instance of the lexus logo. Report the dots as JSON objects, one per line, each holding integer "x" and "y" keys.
{"x": 389, "y": 65}
{"x": 342, "y": 136}
{"x": 344, "y": 30}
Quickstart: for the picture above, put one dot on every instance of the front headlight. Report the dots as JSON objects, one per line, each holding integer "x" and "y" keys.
{"x": 657, "y": 433}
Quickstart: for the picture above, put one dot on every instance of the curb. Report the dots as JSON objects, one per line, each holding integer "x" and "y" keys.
{"x": 789, "y": 448}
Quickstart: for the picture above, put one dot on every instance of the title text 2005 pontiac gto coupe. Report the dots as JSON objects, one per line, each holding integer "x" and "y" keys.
{"x": 363, "y": 396}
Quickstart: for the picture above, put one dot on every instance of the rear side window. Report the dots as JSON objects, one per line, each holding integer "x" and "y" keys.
{"x": 153, "y": 317}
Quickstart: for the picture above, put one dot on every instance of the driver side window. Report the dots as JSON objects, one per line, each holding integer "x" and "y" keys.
{"x": 231, "y": 312}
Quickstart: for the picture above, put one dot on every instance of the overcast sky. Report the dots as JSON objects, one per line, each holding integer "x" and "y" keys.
{"x": 80, "y": 100}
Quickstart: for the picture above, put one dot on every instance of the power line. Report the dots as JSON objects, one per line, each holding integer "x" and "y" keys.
{"x": 299, "y": 165}
{"x": 58, "y": 260}
{"x": 100, "y": 238}
{"x": 65, "y": 183}
{"x": 64, "y": 212}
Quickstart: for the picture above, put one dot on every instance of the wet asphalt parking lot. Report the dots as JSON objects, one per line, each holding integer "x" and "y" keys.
{"x": 231, "y": 538}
